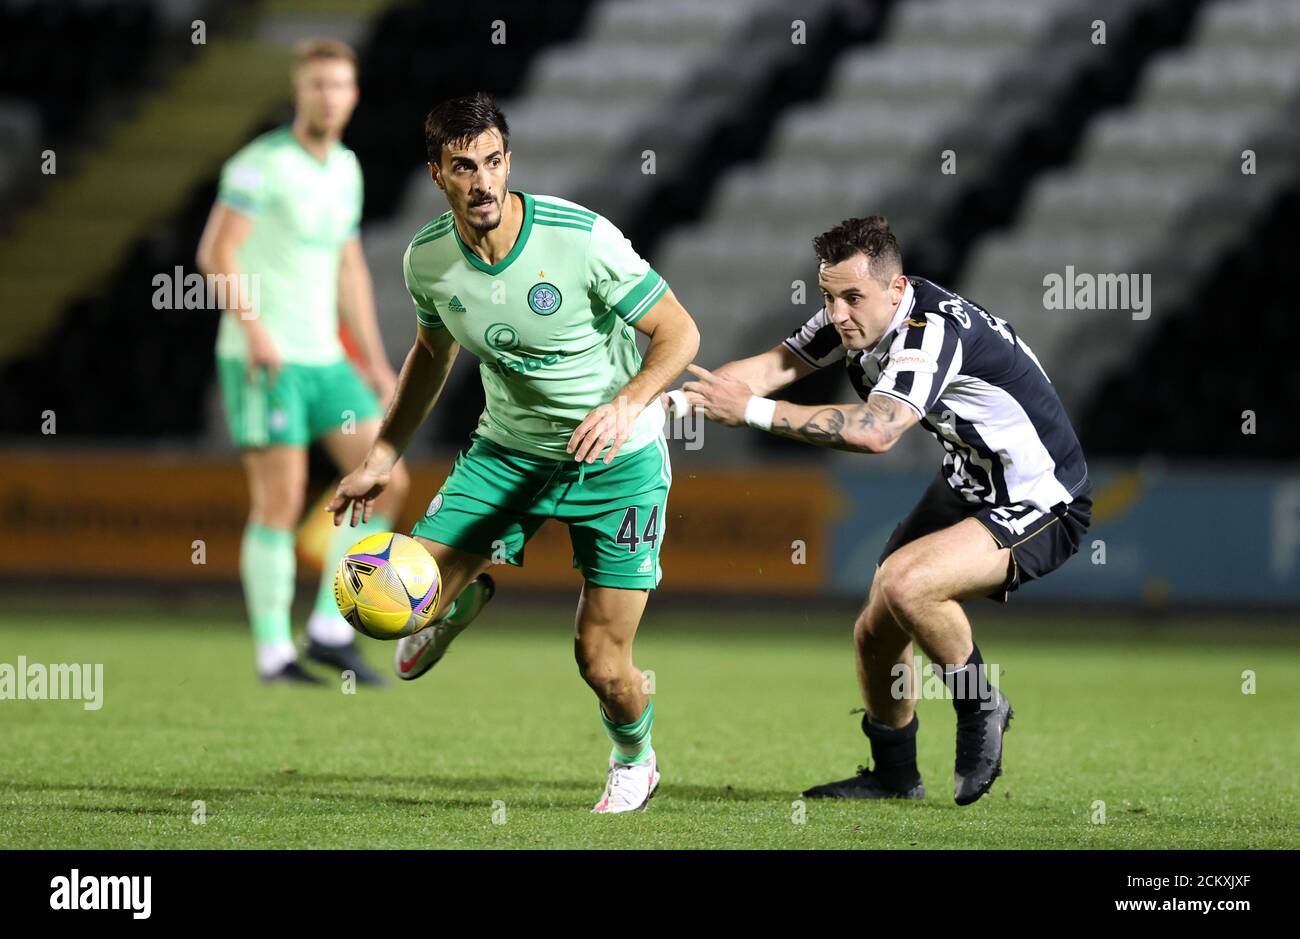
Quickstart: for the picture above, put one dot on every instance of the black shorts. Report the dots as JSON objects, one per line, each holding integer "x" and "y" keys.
{"x": 1040, "y": 542}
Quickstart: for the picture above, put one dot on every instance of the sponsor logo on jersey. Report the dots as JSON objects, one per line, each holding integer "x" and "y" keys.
{"x": 501, "y": 336}
{"x": 955, "y": 309}
{"x": 454, "y": 304}
{"x": 504, "y": 338}
{"x": 544, "y": 298}
{"x": 524, "y": 363}
{"x": 913, "y": 360}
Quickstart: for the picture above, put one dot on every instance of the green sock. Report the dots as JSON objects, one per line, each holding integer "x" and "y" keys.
{"x": 267, "y": 567}
{"x": 631, "y": 741}
{"x": 343, "y": 538}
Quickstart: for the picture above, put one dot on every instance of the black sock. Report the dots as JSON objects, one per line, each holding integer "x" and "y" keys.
{"x": 893, "y": 753}
{"x": 967, "y": 684}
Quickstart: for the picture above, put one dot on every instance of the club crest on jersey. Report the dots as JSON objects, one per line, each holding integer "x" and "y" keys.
{"x": 434, "y": 506}
{"x": 543, "y": 298}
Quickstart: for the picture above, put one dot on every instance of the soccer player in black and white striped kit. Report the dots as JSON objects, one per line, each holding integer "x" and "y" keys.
{"x": 1010, "y": 503}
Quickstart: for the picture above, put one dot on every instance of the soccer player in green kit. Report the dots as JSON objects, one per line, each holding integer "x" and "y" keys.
{"x": 287, "y": 213}
{"x": 546, "y": 294}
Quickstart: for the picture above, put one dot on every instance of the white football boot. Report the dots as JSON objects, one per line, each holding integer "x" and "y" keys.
{"x": 628, "y": 787}
{"x": 419, "y": 652}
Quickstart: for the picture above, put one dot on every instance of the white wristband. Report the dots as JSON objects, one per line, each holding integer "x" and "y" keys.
{"x": 678, "y": 406}
{"x": 759, "y": 412}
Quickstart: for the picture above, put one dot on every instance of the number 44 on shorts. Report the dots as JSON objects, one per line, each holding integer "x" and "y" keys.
{"x": 628, "y": 528}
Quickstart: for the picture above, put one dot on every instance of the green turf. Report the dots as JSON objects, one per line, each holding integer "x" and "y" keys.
{"x": 1157, "y": 728}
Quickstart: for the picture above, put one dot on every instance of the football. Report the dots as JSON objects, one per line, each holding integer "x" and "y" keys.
{"x": 387, "y": 586}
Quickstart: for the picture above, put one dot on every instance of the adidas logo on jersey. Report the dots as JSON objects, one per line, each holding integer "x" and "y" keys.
{"x": 646, "y": 566}
{"x": 454, "y": 305}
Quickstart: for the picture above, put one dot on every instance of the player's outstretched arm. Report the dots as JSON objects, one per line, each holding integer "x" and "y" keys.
{"x": 873, "y": 426}
{"x": 357, "y": 310}
{"x": 419, "y": 384}
{"x": 768, "y": 371}
{"x": 674, "y": 340}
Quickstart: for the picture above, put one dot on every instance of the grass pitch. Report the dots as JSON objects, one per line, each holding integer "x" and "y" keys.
{"x": 500, "y": 745}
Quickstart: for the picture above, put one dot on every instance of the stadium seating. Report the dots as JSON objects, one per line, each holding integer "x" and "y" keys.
{"x": 416, "y": 55}
{"x": 874, "y": 142}
{"x": 1123, "y": 205}
{"x": 1110, "y": 158}
{"x": 1187, "y": 392}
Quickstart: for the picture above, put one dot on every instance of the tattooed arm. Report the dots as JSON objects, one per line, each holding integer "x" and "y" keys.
{"x": 872, "y": 426}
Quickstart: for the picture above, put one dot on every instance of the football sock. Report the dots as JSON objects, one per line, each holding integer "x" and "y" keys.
{"x": 326, "y": 625}
{"x": 267, "y": 566}
{"x": 966, "y": 684}
{"x": 631, "y": 741}
{"x": 893, "y": 752}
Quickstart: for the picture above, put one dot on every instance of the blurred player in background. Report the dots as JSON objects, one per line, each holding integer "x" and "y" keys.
{"x": 1010, "y": 504}
{"x": 288, "y": 212}
{"x": 547, "y": 295}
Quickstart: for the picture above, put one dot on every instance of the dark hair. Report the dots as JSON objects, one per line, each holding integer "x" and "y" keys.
{"x": 870, "y": 236}
{"x": 460, "y": 120}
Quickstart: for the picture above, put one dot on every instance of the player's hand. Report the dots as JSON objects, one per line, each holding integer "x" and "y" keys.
{"x": 358, "y": 490}
{"x": 721, "y": 397}
{"x": 262, "y": 353}
{"x": 606, "y": 426}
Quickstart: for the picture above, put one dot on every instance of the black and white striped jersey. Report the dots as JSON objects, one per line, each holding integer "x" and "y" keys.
{"x": 975, "y": 385}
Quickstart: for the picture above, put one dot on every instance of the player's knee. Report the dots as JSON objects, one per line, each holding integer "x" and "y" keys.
{"x": 904, "y": 585}
{"x": 603, "y": 677}
{"x": 600, "y": 665}
{"x": 278, "y": 507}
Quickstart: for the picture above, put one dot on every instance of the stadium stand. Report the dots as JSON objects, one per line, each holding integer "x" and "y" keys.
{"x": 401, "y": 78}
{"x": 875, "y": 142}
{"x": 757, "y": 148}
{"x": 1128, "y": 203}
{"x": 1219, "y": 259}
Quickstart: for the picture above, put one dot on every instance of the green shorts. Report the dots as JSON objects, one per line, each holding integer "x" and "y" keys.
{"x": 303, "y": 403}
{"x": 495, "y": 499}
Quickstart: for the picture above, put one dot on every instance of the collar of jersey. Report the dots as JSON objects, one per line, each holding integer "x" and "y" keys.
{"x": 287, "y": 130}
{"x": 524, "y": 230}
{"x": 905, "y": 304}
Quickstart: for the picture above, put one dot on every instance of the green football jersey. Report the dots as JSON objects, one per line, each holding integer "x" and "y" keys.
{"x": 303, "y": 211}
{"x": 551, "y": 323}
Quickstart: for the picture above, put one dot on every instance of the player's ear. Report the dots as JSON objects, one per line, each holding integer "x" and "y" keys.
{"x": 436, "y": 176}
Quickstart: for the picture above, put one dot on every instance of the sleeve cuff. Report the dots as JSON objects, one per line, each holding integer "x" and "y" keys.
{"x": 239, "y": 202}
{"x": 919, "y": 413}
{"x": 637, "y": 302}
{"x": 799, "y": 352}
